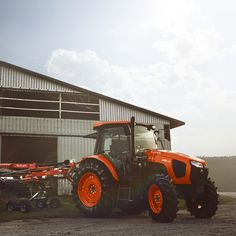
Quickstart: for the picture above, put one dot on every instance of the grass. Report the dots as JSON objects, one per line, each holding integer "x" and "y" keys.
{"x": 68, "y": 210}
{"x": 181, "y": 204}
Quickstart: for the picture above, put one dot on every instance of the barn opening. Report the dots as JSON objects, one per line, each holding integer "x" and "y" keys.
{"x": 21, "y": 149}
{"x": 49, "y": 104}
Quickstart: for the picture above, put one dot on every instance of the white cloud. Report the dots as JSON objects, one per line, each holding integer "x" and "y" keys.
{"x": 87, "y": 70}
{"x": 179, "y": 85}
{"x": 83, "y": 69}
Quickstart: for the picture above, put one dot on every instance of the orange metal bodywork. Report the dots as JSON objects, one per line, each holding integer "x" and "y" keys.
{"x": 162, "y": 157}
{"x": 106, "y": 162}
{"x": 165, "y": 158}
{"x": 99, "y": 124}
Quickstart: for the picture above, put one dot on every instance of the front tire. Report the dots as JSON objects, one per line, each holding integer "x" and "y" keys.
{"x": 204, "y": 206}
{"x": 161, "y": 199}
{"x": 93, "y": 189}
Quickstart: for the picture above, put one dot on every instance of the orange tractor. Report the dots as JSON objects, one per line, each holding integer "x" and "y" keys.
{"x": 129, "y": 172}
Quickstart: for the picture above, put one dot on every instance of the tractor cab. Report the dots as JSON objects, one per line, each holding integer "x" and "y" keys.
{"x": 124, "y": 144}
{"x": 116, "y": 138}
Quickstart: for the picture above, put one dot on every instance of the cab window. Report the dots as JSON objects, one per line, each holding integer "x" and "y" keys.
{"x": 115, "y": 141}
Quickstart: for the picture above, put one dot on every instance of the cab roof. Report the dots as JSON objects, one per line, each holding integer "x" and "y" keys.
{"x": 98, "y": 125}
{"x": 107, "y": 123}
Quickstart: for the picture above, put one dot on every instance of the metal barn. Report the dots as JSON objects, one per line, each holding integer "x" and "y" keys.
{"x": 41, "y": 118}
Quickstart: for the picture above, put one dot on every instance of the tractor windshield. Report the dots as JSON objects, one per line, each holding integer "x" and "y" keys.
{"x": 144, "y": 138}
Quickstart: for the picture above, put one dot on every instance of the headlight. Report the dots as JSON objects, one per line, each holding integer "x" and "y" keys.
{"x": 197, "y": 164}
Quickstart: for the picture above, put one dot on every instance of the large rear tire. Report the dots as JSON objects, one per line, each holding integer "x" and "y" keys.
{"x": 93, "y": 189}
{"x": 161, "y": 198}
{"x": 204, "y": 206}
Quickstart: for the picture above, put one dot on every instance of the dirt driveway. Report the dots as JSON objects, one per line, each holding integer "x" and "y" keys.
{"x": 224, "y": 223}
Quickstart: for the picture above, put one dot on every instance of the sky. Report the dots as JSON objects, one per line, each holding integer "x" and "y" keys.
{"x": 175, "y": 57}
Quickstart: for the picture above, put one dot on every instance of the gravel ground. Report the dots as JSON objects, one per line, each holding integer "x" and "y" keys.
{"x": 224, "y": 223}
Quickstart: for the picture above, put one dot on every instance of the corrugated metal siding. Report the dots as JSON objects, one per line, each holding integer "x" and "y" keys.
{"x": 11, "y": 78}
{"x": 72, "y": 148}
{"x": 113, "y": 111}
{"x": 64, "y": 187}
{"x": 44, "y": 126}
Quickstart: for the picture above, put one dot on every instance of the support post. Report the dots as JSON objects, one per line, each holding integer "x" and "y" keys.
{"x": 59, "y": 105}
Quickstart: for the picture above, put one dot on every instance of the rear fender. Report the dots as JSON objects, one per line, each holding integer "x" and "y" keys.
{"x": 106, "y": 162}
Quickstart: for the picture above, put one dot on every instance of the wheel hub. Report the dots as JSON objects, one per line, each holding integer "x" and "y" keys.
{"x": 92, "y": 189}
{"x": 157, "y": 198}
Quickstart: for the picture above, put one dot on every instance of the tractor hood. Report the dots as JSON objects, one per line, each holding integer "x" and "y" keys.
{"x": 181, "y": 168}
{"x": 163, "y": 155}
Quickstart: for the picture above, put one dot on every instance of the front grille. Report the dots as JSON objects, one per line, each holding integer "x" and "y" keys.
{"x": 179, "y": 168}
{"x": 198, "y": 175}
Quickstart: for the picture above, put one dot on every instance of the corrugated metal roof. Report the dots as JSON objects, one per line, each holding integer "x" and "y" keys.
{"x": 173, "y": 122}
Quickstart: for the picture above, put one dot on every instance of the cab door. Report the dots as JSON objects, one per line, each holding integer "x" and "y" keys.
{"x": 114, "y": 144}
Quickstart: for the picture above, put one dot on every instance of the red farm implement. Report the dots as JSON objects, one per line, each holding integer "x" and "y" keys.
{"x": 23, "y": 183}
